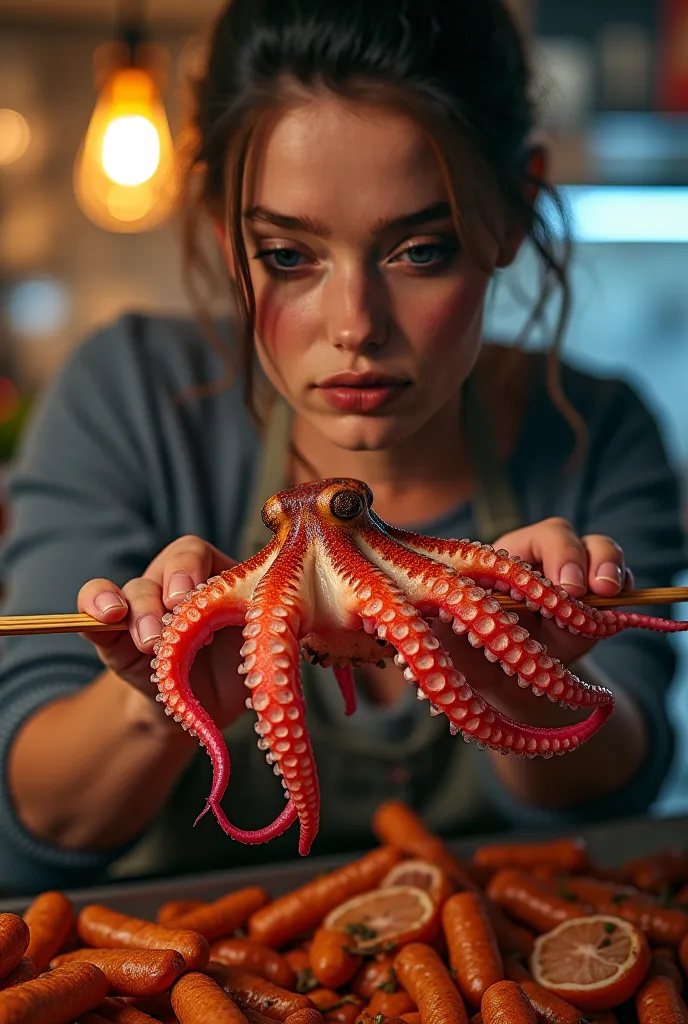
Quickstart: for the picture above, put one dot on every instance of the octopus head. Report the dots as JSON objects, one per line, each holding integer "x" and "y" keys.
{"x": 335, "y": 504}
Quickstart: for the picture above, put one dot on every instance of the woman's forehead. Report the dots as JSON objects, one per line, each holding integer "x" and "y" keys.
{"x": 333, "y": 159}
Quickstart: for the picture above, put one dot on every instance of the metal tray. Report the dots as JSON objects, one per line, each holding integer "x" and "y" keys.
{"x": 610, "y": 845}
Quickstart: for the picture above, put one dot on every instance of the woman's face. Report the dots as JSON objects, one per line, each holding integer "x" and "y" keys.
{"x": 368, "y": 311}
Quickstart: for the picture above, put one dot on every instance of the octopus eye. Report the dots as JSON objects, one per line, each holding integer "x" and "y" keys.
{"x": 346, "y": 505}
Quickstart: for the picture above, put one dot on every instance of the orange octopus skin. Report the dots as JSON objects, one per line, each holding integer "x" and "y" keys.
{"x": 342, "y": 587}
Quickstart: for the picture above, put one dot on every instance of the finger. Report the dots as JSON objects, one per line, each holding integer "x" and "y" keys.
{"x": 146, "y": 610}
{"x": 102, "y": 600}
{"x": 607, "y": 569}
{"x": 554, "y": 545}
{"x": 184, "y": 564}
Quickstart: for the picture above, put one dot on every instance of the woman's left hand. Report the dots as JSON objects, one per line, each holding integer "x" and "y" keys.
{"x": 590, "y": 564}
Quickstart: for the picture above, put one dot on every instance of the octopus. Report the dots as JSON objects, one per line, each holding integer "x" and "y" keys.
{"x": 340, "y": 587}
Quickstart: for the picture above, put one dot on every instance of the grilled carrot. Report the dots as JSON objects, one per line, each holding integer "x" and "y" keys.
{"x": 551, "y": 1008}
{"x": 506, "y": 1003}
{"x": 661, "y": 925}
{"x": 654, "y": 873}
{"x": 309, "y": 1015}
{"x": 253, "y": 991}
{"x": 256, "y": 958}
{"x": 395, "y": 824}
{"x": 375, "y": 974}
{"x": 664, "y": 962}
{"x": 173, "y": 909}
{"x": 59, "y": 996}
{"x": 345, "y": 1012}
{"x": 50, "y": 919}
{"x": 131, "y": 972}
{"x": 223, "y": 917}
{"x": 304, "y": 908}
{"x": 119, "y": 1012}
{"x": 254, "y": 1017}
{"x": 24, "y": 971}
{"x": 477, "y": 1018}
{"x": 14, "y": 940}
{"x": 530, "y": 901}
{"x": 391, "y": 1004}
{"x": 560, "y": 854}
{"x": 92, "y": 1018}
{"x": 325, "y": 998}
{"x": 658, "y": 1002}
{"x": 331, "y": 962}
{"x": 107, "y": 929}
{"x": 159, "y": 1007}
{"x": 472, "y": 944}
{"x": 411, "y": 1018}
{"x": 511, "y": 938}
{"x": 427, "y": 981}
{"x": 683, "y": 953}
{"x": 197, "y": 999}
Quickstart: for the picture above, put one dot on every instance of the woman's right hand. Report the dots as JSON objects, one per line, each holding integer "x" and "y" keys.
{"x": 170, "y": 576}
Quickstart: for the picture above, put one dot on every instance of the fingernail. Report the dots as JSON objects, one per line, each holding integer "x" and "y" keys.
{"x": 611, "y": 573}
{"x": 179, "y": 586}
{"x": 148, "y": 627}
{"x": 107, "y": 602}
{"x": 572, "y": 575}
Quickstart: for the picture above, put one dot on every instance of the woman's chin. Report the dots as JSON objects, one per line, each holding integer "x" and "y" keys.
{"x": 366, "y": 433}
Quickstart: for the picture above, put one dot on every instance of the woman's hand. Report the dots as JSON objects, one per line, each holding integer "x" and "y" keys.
{"x": 170, "y": 576}
{"x": 591, "y": 564}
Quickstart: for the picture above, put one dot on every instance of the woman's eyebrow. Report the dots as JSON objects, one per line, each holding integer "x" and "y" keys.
{"x": 264, "y": 215}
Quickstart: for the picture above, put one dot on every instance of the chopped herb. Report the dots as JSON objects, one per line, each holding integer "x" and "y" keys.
{"x": 604, "y": 942}
{"x": 360, "y": 930}
{"x": 619, "y": 897}
{"x": 452, "y": 971}
{"x": 388, "y": 947}
{"x": 240, "y": 933}
{"x": 610, "y": 928}
{"x": 390, "y": 985}
{"x": 306, "y": 981}
{"x": 344, "y": 1001}
{"x": 566, "y": 895}
{"x": 379, "y": 1018}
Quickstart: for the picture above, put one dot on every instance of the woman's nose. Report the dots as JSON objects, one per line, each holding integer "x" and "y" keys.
{"x": 356, "y": 312}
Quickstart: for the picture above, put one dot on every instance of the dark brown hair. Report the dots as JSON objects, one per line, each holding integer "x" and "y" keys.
{"x": 458, "y": 67}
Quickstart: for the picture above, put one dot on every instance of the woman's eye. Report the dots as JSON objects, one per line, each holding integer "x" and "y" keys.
{"x": 428, "y": 255}
{"x": 280, "y": 259}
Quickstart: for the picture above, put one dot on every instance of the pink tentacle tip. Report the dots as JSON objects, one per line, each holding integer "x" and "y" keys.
{"x": 345, "y": 679}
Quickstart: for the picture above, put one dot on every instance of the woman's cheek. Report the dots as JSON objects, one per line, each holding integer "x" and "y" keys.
{"x": 441, "y": 318}
{"x": 282, "y": 326}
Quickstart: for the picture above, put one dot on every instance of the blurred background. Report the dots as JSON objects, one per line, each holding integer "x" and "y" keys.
{"x": 84, "y": 237}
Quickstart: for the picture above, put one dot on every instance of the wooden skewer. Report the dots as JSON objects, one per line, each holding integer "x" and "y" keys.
{"x": 13, "y": 625}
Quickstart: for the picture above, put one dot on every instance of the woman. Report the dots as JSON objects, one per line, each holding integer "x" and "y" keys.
{"x": 368, "y": 170}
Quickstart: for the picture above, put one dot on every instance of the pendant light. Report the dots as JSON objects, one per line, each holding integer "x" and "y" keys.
{"x": 124, "y": 170}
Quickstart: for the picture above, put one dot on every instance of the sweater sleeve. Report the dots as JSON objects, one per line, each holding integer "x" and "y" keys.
{"x": 78, "y": 510}
{"x": 630, "y": 493}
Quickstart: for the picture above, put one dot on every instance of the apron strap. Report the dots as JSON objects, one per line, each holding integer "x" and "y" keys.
{"x": 495, "y": 506}
{"x": 270, "y": 478}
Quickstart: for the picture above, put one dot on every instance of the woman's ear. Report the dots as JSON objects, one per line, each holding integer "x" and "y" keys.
{"x": 536, "y": 173}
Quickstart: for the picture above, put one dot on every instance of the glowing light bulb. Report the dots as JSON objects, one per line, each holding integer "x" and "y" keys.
{"x": 131, "y": 150}
{"x": 124, "y": 173}
{"x": 15, "y": 136}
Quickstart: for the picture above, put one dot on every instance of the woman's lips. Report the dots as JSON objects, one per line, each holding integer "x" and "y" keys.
{"x": 361, "y": 393}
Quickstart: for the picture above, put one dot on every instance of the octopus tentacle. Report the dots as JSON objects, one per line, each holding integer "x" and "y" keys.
{"x": 471, "y": 610}
{"x": 428, "y": 665}
{"x": 222, "y": 601}
{"x": 271, "y": 667}
{"x": 509, "y": 574}
{"x": 345, "y": 680}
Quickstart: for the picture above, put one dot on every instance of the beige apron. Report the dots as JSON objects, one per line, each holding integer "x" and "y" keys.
{"x": 357, "y": 771}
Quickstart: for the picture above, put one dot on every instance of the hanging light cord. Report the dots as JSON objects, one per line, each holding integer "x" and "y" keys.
{"x": 131, "y": 25}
